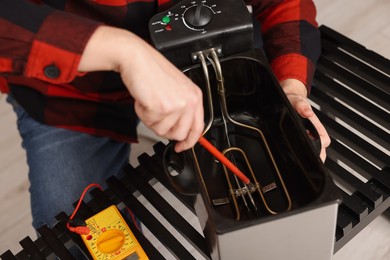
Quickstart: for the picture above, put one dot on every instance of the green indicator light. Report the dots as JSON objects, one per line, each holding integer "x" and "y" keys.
{"x": 166, "y": 19}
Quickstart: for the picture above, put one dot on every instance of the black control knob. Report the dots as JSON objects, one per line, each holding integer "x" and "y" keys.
{"x": 198, "y": 16}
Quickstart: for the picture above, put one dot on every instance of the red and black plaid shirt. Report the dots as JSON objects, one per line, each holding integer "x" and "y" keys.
{"x": 41, "y": 42}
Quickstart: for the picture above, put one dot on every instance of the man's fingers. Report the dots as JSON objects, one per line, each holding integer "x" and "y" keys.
{"x": 304, "y": 109}
{"x": 181, "y": 121}
{"x": 154, "y": 113}
{"x": 301, "y": 105}
{"x": 324, "y": 136}
{"x": 195, "y": 131}
{"x": 323, "y": 154}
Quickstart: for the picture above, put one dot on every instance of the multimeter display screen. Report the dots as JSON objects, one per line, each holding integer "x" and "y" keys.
{"x": 133, "y": 256}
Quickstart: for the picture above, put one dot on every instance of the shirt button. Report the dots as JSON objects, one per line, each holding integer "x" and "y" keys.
{"x": 52, "y": 71}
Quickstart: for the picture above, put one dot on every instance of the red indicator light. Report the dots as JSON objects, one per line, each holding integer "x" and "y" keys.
{"x": 168, "y": 27}
{"x": 89, "y": 237}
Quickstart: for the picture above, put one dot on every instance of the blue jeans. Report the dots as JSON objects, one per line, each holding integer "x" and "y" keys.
{"x": 62, "y": 163}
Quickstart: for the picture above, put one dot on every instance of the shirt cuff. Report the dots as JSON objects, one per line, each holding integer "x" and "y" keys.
{"x": 3, "y": 85}
{"x": 57, "y": 48}
{"x": 294, "y": 66}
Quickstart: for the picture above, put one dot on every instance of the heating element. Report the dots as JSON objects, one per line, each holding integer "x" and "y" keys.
{"x": 251, "y": 196}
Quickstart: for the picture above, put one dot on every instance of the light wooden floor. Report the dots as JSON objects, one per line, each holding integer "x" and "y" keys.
{"x": 367, "y": 22}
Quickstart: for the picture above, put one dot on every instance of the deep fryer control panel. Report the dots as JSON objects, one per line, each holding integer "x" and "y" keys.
{"x": 196, "y": 25}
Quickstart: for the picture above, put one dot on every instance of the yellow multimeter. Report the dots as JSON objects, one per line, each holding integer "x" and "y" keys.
{"x": 110, "y": 238}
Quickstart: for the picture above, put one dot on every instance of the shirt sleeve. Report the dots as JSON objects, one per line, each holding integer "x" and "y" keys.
{"x": 39, "y": 42}
{"x": 291, "y": 37}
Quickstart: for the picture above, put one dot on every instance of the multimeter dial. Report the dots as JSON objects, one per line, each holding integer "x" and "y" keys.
{"x": 110, "y": 241}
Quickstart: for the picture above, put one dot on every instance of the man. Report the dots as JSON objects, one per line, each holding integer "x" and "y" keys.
{"x": 80, "y": 74}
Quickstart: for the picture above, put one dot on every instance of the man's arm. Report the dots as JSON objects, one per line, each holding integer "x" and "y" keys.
{"x": 292, "y": 45}
{"x": 291, "y": 38}
{"x": 54, "y": 46}
{"x": 166, "y": 100}
{"x": 34, "y": 37}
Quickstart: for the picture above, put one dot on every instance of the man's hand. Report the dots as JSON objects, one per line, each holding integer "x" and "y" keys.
{"x": 166, "y": 100}
{"x": 296, "y": 92}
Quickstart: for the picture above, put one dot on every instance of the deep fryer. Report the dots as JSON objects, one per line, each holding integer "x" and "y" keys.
{"x": 289, "y": 211}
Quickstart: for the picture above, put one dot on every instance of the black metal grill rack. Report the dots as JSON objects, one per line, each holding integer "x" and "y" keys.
{"x": 351, "y": 95}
